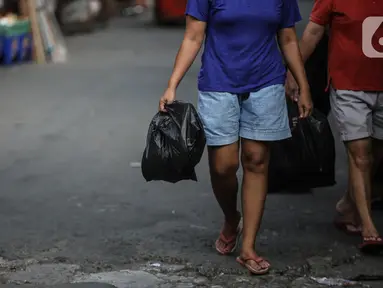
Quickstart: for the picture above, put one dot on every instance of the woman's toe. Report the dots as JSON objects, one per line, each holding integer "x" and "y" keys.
{"x": 256, "y": 266}
{"x": 264, "y": 264}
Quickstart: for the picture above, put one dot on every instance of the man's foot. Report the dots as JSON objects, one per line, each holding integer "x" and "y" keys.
{"x": 229, "y": 236}
{"x": 372, "y": 245}
{"x": 347, "y": 220}
{"x": 254, "y": 263}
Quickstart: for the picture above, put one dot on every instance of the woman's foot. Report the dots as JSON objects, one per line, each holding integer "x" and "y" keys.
{"x": 347, "y": 219}
{"x": 229, "y": 236}
{"x": 254, "y": 263}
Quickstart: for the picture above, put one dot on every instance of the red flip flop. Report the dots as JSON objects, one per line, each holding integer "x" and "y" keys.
{"x": 231, "y": 243}
{"x": 262, "y": 271}
{"x": 372, "y": 245}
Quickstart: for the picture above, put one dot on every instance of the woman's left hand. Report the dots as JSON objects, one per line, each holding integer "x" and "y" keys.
{"x": 305, "y": 103}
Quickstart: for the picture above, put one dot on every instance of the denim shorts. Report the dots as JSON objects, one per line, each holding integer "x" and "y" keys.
{"x": 260, "y": 116}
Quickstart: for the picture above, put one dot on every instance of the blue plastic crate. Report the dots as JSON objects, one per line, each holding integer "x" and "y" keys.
{"x": 25, "y": 47}
{"x": 12, "y": 42}
{"x": 11, "y": 49}
{"x": 1, "y": 46}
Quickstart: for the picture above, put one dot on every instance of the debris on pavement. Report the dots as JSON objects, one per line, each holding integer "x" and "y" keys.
{"x": 334, "y": 282}
{"x": 135, "y": 164}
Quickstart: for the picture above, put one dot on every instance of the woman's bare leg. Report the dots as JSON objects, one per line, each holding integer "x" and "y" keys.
{"x": 224, "y": 164}
{"x": 255, "y": 162}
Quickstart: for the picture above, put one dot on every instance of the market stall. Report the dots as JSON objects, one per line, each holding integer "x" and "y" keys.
{"x": 29, "y": 31}
{"x": 32, "y": 30}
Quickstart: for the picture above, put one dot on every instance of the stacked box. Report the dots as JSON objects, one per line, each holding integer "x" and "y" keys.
{"x": 16, "y": 41}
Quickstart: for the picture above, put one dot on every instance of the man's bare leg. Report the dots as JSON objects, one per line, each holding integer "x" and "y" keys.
{"x": 224, "y": 164}
{"x": 360, "y": 164}
{"x": 346, "y": 207}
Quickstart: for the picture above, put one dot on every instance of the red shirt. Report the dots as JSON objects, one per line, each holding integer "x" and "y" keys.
{"x": 349, "y": 68}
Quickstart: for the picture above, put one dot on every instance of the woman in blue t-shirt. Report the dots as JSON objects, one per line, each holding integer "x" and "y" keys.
{"x": 241, "y": 102}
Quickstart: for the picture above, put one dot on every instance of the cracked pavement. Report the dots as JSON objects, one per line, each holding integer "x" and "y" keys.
{"x": 71, "y": 193}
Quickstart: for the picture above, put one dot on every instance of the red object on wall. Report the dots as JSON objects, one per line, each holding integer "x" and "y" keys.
{"x": 170, "y": 10}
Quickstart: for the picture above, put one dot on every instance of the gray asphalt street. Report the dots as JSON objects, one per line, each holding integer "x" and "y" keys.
{"x": 70, "y": 192}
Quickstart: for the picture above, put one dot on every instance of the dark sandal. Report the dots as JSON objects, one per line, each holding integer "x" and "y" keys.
{"x": 371, "y": 245}
{"x": 231, "y": 243}
{"x": 261, "y": 271}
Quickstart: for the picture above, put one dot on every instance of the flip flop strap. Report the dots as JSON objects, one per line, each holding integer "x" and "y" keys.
{"x": 257, "y": 260}
{"x": 232, "y": 239}
{"x": 372, "y": 239}
{"x": 229, "y": 240}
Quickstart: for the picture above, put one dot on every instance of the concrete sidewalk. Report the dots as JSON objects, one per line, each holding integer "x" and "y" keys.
{"x": 70, "y": 285}
{"x": 317, "y": 272}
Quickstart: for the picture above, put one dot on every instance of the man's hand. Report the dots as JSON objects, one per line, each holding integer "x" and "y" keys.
{"x": 168, "y": 97}
{"x": 305, "y": 103}
{"x": 291, "y": 86}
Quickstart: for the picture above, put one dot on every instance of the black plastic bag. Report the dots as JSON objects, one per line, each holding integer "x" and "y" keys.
{"x": 174, "y": 145}
{"x": 307, "y": 159}
{"x": 379, "y": 173}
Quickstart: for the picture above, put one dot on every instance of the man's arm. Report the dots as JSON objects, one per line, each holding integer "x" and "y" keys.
{"x": 310, "y": 39}
{"x": 320, "y": 17}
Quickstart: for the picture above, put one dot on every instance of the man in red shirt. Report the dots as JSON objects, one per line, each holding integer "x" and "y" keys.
{"x": 356, "y": 83}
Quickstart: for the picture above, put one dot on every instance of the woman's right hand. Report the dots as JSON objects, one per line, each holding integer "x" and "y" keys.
{"x": 168, "y": 97}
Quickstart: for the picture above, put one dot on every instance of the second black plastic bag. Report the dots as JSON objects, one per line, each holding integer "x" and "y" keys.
{"x": 317, "y": 75}
{"x": 379, "y": 173}
{"x": 307, "y": 159}
{"x": 174, "y": 145}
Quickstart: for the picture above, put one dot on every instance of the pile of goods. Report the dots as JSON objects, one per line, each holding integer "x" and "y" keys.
{"x": 29, "y": 31}
{"x": 33, "y": 29}
{"x": 15, "y": 39}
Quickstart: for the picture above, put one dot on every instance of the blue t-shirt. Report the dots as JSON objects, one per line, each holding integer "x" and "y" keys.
{"x": 241, "y": 52}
